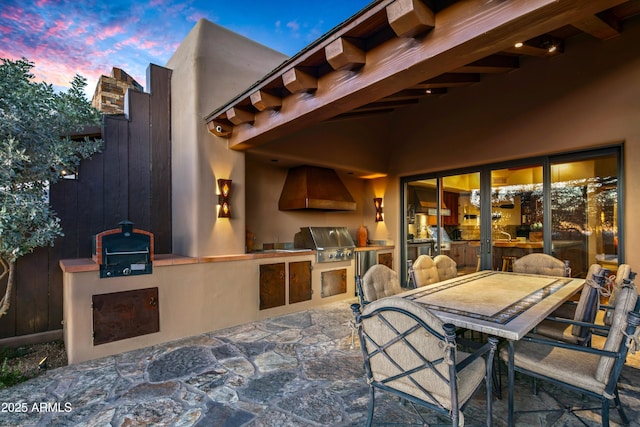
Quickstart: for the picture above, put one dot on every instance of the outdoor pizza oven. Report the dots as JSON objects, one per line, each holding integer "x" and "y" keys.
{"x": 124, "y": 251}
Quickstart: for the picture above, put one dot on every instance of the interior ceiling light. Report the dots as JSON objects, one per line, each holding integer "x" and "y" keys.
{"x": 519, "y": 44}
{"x": 552, "y": 48}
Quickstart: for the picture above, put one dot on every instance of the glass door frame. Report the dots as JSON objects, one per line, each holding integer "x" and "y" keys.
{"x": 485, "y": 199}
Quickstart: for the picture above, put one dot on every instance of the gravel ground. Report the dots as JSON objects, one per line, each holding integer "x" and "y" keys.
{"x": 26, "y": 359}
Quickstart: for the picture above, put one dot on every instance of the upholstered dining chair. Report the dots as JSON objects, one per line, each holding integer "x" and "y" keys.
{"x": 378, "y": 282}
{"x": 446, "y": 266}
{"x": 560, "y": 328}
{"x": 623, "y": 275}
{"x": 593, "y": 372}
{"x": 424, "y": 271}
{"x": 538, "y": 263}
{"x": 410, "y": 353}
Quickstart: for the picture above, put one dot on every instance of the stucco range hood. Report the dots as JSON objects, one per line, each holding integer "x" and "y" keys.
{"x": 312, "y": 187}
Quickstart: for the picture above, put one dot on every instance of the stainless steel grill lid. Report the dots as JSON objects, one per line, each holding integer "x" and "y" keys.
{"x": 331, "y": 243}
{"x": 326, "y": 237}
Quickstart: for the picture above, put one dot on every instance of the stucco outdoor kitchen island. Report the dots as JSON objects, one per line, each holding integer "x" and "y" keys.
{"x": 194, "y": 295}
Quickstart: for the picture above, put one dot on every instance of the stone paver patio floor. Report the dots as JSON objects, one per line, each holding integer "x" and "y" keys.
{"x": 293, "y": 370}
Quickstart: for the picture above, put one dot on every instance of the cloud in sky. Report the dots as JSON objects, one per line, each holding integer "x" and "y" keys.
{"x": 67, "y": 37}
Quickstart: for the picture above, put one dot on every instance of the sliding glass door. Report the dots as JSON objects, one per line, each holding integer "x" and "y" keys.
{"x": 443, "y": 217}
{"x": 517, "y": 214}
{"x": 584, "y": 212}
{"x": 567, "y": 206}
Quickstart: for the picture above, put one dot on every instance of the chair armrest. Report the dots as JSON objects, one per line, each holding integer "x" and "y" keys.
{"x": 568, "y": 346}
{"x": 578, "y": 323}
{"x": 489, "y": 347}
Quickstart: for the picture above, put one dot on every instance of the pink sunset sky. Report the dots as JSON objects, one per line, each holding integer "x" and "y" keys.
{"x": 68, "y": 37}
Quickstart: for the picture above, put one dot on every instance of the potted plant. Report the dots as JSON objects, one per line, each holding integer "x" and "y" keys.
{"x": 535, "y": 233}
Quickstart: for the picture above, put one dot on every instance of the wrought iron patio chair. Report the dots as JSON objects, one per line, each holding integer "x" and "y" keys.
{"x": 446, "y": 266}
{"x": 590, "y": 371}
{"x": 624, "y": 274}
{"x": 410, "y": 353}
{"x": 561, "y": 328}
{"x": 378, "y": 282}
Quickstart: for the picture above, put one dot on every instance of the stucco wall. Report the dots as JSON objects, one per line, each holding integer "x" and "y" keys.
{"x": 270, "y": 225}
{"x": 587, "y": 97}
{"x": 193, "y": 298}
{"x": 210, "y": 67}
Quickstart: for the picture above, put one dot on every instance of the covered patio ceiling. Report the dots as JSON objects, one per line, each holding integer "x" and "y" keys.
{"x": 395, "y": 52}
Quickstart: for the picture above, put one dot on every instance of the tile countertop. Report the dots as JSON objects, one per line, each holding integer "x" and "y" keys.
{"x": 373, "y": 248}
{"x": 78, "y": 265}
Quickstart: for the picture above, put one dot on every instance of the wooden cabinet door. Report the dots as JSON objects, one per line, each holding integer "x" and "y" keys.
{"x": 126, "y": 314}
{"x": 386, "y": 259}
{"x": 333, "y": 282}
{"x": 299, "y": 281}
{"x": 272, "y": 285}
{"x": 451, "y": 202}
{"x": 471, "y": 255}
{"x": 457, "y": 253}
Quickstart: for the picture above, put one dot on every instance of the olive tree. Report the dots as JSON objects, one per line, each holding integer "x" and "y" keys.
{"x": 36, "y": 149}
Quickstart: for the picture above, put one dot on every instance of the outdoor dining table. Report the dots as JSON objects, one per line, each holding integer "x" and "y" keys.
{"x": 502, "y": 304}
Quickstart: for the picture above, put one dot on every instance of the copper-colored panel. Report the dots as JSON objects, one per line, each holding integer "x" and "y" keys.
{"x": 272, "y": 289}
{"x": 299, "y": 281}
{"x": 121, "y": 315}
{"x": 386, "y": 259}
{"x": 333, "y": 282}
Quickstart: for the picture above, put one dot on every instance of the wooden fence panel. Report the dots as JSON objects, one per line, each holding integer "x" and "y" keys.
{"x": 32, "y": 298}
{"x": 130, "y": 179}
{"x": 139, "y": 160}
{"x": 116, "y": 171}
{"x": 160, "y": 116}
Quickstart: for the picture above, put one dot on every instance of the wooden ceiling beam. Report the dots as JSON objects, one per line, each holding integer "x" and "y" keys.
{"x": 492, "y": 64}
{"x": 238, "y": 116}
{"x": 405, "y": 94}
{"x": 448, "y": 80}
{"x": 220, "y": 128}
{"x": 409, "y": 18}
{"x": 603, "y": 27}
{"x": 464, "y": 33}
{"x": 382, "y": 105}
{"x": 343, "y": 54}
{"x": 296, "y": 80}
{"x": 262, "y": 100}
{"x": 529, "y": 50}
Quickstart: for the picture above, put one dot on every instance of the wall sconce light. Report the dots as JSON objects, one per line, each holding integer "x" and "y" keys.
{"x": 377, "y": 202}
{"x": 224, "y": 186}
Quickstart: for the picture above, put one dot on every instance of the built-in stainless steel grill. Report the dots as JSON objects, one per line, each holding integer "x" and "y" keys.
{"x": 331, "y": 244}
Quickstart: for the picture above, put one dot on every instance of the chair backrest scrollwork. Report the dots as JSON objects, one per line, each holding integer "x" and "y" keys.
{"x": 624, "y": 324}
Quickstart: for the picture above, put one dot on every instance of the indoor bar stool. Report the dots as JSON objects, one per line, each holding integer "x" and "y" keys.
{"x": 507, "y": 262}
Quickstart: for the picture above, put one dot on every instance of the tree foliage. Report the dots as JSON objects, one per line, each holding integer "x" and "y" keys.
{"x": 36, "y": 148}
